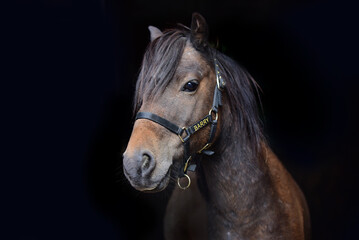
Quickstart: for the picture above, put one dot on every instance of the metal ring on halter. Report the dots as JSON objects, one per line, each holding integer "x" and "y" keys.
{"x": 220, "y": 81}
{"x": 183, "y": 139}
{"x": 210, "y": 113}
{"x": 184, "y": 187}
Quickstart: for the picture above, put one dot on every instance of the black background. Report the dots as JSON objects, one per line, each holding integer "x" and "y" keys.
{"x": 68, "y": 75}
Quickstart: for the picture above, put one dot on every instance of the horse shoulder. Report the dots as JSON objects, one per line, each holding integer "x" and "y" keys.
{"x": 291, "y": 197}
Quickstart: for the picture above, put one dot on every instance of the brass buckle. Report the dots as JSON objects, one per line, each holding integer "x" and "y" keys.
{"x": 188, "y": 183}
{"x": 205, "y": 147}
{"x": 186, "y": 164}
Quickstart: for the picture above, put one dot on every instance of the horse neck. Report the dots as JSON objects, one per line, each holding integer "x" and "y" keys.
{"x": 235, "y": 182}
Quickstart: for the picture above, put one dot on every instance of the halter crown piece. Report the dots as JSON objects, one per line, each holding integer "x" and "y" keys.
{"x": 184, "y": 133}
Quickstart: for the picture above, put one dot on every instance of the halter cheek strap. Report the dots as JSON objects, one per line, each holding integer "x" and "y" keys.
{"x": 184, "y": 133}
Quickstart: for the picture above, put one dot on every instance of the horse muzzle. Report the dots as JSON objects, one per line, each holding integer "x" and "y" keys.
{"x": 141, "y": 170}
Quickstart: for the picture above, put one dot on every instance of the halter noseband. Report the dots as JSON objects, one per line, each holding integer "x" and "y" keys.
{"x": 184, "y": 133}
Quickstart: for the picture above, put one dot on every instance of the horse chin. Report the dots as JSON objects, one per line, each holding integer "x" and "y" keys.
{"x": 151, "y": 186}
{"x": 162, "y": 184}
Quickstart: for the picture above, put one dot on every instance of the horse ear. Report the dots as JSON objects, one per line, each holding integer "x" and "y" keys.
{"x": 199, "y": 31}
{"x": 155, "y": 32}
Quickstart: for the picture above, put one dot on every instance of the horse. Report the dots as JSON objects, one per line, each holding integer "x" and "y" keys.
{"x": 197, "y": 123}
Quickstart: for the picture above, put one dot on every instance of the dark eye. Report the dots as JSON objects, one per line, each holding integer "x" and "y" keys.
{"x": 190, "y": 86}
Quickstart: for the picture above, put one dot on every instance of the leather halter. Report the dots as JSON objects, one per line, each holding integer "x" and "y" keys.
{"x": 184, "y": 133}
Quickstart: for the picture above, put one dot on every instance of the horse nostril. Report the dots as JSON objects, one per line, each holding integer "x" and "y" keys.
{"x": 145, "y": 161}
{"x": 147, "y": 164}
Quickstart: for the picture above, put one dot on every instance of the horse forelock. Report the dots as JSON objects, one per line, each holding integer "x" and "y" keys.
{"x": 159, "y": 64}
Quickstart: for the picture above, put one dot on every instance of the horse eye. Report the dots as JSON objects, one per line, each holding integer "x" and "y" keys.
{"x": 190, "y": 86}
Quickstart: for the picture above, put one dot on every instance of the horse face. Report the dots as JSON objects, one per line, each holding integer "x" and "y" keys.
{"x": 153, "y": 152}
